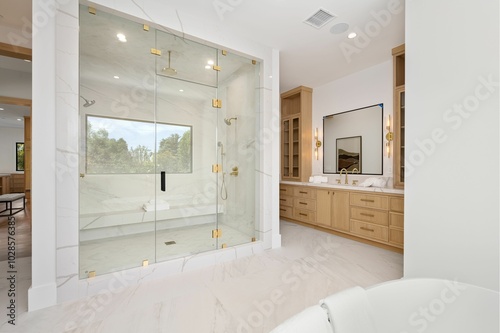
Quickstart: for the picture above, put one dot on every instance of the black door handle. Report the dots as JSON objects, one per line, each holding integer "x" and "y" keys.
{"x": 162, "y": 173}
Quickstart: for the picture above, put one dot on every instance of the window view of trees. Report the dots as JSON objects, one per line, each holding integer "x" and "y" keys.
{"x": 19, "y": 156}
{"x": 127, "y": 146}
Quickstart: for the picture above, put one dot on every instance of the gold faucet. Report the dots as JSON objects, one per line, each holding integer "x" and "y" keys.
{"x": 355, "y": 181}
{"x": 340, "y": 176}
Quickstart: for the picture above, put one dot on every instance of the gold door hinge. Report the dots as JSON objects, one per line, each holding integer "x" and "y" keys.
{"x": 216, "y": 103}
{"x": 91, "y": 274}
{"x": 155, "y": 51}
{"x": 145, "y": 263}
{"x": 145, "y": 27}
{"x": 92, "y": 10}
{"x": 216, "y": 68}
{"x": 216, "y": 233}
{"x": 254, "y": 62}
{"x": 224, "y": 52}
{"x": 216, "y": 168}
{"x": 224, "y": 245}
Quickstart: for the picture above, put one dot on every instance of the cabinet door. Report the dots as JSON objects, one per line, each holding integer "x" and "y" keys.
{"x": 340, "y": 210}
{"x": 399, "y": 139}
{"x": 323, "y": 208}
{"x": 285, "y": 148}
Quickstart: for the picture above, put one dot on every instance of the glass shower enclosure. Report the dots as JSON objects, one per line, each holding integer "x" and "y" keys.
{"x": 167, "y": 145}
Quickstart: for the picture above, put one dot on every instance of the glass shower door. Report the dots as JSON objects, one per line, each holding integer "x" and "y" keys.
{"x": 117, "y": 143}
{"x": 187, "y": 148}
{"x": 238, "y": 83}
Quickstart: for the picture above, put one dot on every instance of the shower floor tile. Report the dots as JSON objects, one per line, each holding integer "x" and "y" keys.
{"x": 118, "y": 253}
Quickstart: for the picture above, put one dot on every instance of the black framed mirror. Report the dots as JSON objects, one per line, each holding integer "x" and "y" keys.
{"x": 354, "y": 140}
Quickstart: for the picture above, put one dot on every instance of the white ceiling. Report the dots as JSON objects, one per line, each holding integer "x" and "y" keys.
{"x": 308, "y": 56}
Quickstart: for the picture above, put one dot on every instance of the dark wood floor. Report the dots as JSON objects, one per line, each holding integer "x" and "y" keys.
{"x": 22, "y": 235}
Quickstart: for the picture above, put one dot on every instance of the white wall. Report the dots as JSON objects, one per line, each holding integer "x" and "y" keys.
{"x": 8, "y": 138}
{"x": 452, "y": 141}
{"x": 15, "y": 83}
{"x": 368, "y": 87}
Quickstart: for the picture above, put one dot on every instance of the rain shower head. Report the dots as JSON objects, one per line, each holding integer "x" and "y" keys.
{"x": 87, "y": 102}
{"x": 228, "y": 120}
{"x": 169, "y": 70}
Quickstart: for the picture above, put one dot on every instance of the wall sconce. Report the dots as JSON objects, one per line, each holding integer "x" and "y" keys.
{"x": 389, "y": 136}
{"x": 318, "y": 144}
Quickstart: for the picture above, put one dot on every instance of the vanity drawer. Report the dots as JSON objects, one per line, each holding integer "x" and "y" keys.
{"x": 369, "y": 200}
{"x": 396, "y": 237}
{"x": 370, "y": 215}
{"x": 303, "y": 192}
{"x": 286, "y": 211}
{"x": 285, "y": 200}
{"x": 397, "y": 205}
{"x": 368, "y": 230}
{"x": 304, "y": 215}
{"x": 286, "y": 190}
{"x": 302, "y": 203}
{"x": 396, "y": 220}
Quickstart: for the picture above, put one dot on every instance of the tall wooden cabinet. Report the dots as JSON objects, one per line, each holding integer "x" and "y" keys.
{"x": 296, "y": 134}
{"x": 398, "y": 54}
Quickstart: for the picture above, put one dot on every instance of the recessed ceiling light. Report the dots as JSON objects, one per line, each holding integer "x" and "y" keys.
{"x": 1, "y": 109}
{"x": 19, "y": 119}
{"x": 210, "y": 62}
{"x": 121, "y": 37}
{"x": 339, "y": 28}
{"x": 207, "y": 67}
{"x": 27, "y": 60}
{"x": 270, "y": 76}
{"x": 181, "y": 90}
{"x": 351, "y": 35}
{"x": 116, "y": 77}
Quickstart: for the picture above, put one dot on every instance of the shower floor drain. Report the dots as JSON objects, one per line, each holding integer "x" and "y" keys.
{"x": 170, "y": 243}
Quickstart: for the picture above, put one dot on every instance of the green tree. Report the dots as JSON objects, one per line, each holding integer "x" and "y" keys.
{"x": 105, "y": 155}
{"x": 174, "y": 153}
{"x": 142, "y": 159}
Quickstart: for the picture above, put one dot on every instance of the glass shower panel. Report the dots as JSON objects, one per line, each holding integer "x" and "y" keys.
{"x": 187, "y": 149}
{"x": 238, "y": 83}
{"x": 117, "y": 144}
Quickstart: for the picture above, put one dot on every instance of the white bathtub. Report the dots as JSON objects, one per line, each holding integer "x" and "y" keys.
{"x": 402, "y": 306}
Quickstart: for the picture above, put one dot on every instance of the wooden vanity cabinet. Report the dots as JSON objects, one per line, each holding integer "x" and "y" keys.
{"x": 365, "y": 216}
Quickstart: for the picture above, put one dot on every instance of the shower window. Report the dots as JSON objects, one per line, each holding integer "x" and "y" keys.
{"x": 117, "y": 146}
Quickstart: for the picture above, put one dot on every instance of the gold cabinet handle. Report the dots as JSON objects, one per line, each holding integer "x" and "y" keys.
{"x": 367, "y": 229}
{"x": 365, "y": 214}
{"x": 302, "y": 203}
{"x": 302, "y": 192}
{"x": 282, "y": 199}
{"x": 283, "y": 210}
{"x": 282, "y": 189}
{"x": 303, "y": 214}
{"x": 368, "y": 200}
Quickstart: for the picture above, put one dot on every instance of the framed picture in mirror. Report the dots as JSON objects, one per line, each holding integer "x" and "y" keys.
{"x": 348, "y": 153}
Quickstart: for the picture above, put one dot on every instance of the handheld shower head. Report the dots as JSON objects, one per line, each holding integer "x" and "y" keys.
{"x": 228, "y": 120}
{"x": 87, "y": 102}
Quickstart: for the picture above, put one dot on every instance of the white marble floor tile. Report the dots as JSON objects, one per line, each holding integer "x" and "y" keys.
{"x": 252, "y": 294}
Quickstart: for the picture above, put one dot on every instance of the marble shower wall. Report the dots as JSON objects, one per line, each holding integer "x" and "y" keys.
{"x": 67, "y": 165}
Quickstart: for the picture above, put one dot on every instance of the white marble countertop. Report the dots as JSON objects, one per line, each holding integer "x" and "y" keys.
{"x": 348, "y": 187}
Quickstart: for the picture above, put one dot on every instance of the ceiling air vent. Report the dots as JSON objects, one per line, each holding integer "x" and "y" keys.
{"x": 319, "y": 19}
